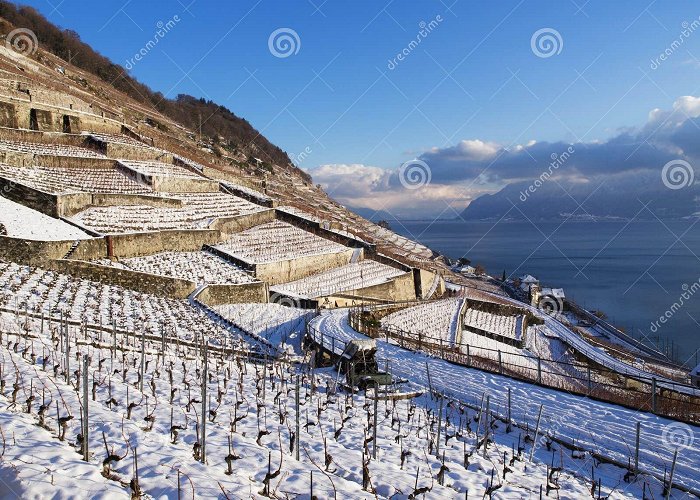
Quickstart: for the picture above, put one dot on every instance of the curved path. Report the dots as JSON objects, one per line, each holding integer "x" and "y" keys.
{"x": 602, "y": 427}
{"x": 600, "y": 356}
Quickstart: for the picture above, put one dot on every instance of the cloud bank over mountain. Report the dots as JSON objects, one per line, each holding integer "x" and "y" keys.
{"x": 631, "y": 164}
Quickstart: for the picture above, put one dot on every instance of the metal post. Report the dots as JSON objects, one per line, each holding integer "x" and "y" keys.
{"x": 539, "y": 370}
{"x": 469, "y": 360}
{"x": 437, "y": 443}
{"x": 487, "y": 426}
{"x": 636, "y": 449}
{"x": 374, "y": 428}
{"x": 162, "y": 342}
{"x": 653, "y": 395}
{"x": 590, "y": 386}
{"x": 296, "y": 400}
{"x": 85, "y": 408}
{"x": 500, "y": 363}
{"x": 537, "y": 430}
{"x": 143, "y": 358}
{"x": 509, "y": 426}
{"x": 670, "y": 479}
{"x": 67, "y": 355}
{"x": 205, "y": 376}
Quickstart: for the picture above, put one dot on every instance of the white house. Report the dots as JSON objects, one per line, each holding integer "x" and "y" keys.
{"x": 557, "y": 293}
{"x": 527, "y": 281}
{"x": 465, "y": 269}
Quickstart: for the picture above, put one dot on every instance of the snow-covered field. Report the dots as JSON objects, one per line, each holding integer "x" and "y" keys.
{"x": 53, "y": 294}
{"x": 145, "y": 428}
{"x": 197, "y": 212}
{"x": 23, "y": 222}
{"x": 277, "y": 241}
{"x": 278, "y": 324}
{"x": 348, "y": 277}
{"x": 437, "y": 320}
{"x": 70, "y": 180}
{"x": 505, "y": 326}
{"x": 200, "y": 267}
{"x": 603, "y": 428}
{"x": 160, "y": 169}
{"x": 47, "y": 149}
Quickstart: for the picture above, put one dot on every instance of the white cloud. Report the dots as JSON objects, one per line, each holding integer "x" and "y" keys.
{"x": 472, "y": 167}
{"x": 376, "y": 188}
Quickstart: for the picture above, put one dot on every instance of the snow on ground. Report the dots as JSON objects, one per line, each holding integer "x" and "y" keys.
{"x": 339, "y": 279}
{"x": 251, "y": 419}
{"x": 67, "y": 180}
{"x": 157, "y": 168}
{"x": 553, "y": 327}
{"x": 435, "y": 320}
{"x": 278, "y": 324}
{"x": 54, "y": 294}
{"x": 200, "y": 267}
{"x": 277, "y": 241}
{"x": 197, "y": 212}
{"x": 602, "y": 427}
{"x": 35, "y": 466}
{"x": 23, "y": 222}
{"x": 505, "y": 326}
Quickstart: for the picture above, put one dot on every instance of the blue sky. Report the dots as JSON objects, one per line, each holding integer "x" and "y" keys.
{"x": 474, "y": 77}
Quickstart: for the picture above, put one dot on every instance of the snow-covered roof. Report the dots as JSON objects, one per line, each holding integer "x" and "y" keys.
{"x": 557, "y": 293}
{"x": 465, "y": 269}
{"x": 528, "y": 278}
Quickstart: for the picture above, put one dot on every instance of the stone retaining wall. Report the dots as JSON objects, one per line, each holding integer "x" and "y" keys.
{"x": 230, "y": 225}
{"x": 290, "y": 270}
{"x": 33, "y": 252}
{"x": 147, "y": 243}
{"x": 214, "y": 295}
{"x": 160, "y": 286}
{"x": 398, "y": 289}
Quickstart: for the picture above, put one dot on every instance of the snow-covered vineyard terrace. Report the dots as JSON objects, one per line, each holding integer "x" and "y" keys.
{"x": 172, "y": 325}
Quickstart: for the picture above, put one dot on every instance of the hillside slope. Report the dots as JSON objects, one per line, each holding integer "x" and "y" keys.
{"x": 229, "y": 148}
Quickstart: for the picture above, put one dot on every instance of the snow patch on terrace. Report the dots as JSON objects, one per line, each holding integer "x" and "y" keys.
{"x": 436, "y": 320}
{"x": 277, "y": 241}
{"x": 280, "y": 325}
{"x": 348, "y": 277}
{"x": 199, "y": 267}
{"x": 23, "y": 222}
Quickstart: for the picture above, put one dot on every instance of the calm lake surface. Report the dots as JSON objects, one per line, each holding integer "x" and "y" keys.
{"x": 633, "y": 271}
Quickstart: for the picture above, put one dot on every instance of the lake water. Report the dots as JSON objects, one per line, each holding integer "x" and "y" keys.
{"x": 634, "y": 272}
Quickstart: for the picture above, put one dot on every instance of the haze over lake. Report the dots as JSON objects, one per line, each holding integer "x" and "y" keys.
{"x": 633, "y": 271}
